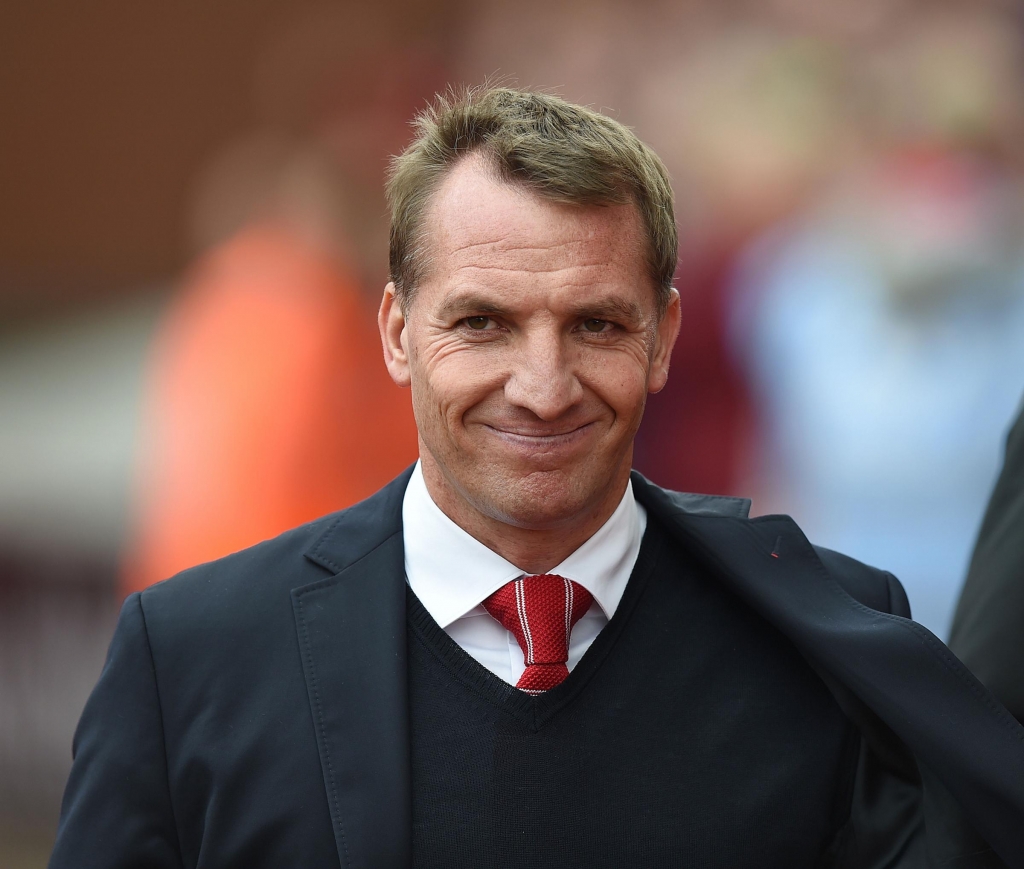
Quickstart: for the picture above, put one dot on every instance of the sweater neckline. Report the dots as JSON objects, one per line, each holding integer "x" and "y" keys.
{"x": 537, "y": 709}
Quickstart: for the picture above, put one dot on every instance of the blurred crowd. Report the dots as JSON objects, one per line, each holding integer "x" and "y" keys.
{"x": 850, "y": 204}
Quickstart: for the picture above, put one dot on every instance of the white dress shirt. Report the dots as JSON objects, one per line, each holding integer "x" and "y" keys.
{"x": 452, "y": 572}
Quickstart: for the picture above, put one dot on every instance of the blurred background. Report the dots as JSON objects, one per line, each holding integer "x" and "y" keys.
{"x": 193, "y": 241}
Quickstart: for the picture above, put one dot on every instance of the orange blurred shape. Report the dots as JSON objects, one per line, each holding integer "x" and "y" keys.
{"x": 267, "y": 405}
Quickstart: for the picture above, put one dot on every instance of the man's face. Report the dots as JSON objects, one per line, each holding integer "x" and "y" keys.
{"x": 530, "y": 346}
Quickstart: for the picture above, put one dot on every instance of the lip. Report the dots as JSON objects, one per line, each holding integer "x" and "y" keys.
{"x": 544, "y": 442}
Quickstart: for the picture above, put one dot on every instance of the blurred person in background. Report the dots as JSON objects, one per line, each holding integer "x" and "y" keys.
{"x": 266, "y": 404}
{"x": 988, "y": 626}
{"x": 263, "y": 390}
{"x": 882, "y": 328}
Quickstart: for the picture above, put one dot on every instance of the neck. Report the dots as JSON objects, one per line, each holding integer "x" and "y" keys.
{"x": 535, "y": 550}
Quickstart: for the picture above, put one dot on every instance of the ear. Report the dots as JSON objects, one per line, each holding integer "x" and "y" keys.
{"x": 391, "y": 323}
{"x": 664, "y": 341}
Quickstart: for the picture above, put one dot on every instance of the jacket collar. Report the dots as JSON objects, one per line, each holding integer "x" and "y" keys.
{"x": 667, "y": 503}
{"x": 352, "y": 533}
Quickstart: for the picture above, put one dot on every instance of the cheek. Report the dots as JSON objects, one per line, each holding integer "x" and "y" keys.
{"x": 620, "y": 380}
{"x": 451, "y": 383}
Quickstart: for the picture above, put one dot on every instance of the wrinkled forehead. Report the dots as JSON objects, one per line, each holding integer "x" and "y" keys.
{"x": 476, "y": 219}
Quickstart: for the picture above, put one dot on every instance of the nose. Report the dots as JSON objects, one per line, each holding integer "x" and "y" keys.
{"x": 543, "y": 378}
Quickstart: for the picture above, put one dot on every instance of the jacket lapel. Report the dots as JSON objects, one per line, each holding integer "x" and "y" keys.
{"x": 895, "y": 666}
{"x": 352, "y": 633}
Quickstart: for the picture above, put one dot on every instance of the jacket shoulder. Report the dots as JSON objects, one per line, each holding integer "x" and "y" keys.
{"x": 867, "y": 585}
{"x": 231, "y": 603}
{"x": 294, "y": 558}
{"x": 874, "y": 588}
{"x": 271, "y": 563}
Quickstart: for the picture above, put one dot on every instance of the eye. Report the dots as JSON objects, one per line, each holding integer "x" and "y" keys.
{"x": 594, "y": 325}
{"x": 477, "y": 324}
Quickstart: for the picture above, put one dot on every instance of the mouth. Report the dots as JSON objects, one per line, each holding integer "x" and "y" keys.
{"x": 534, "y": 441}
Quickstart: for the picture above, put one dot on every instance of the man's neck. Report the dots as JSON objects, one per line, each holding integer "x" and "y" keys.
{"x": 533, "y": 550}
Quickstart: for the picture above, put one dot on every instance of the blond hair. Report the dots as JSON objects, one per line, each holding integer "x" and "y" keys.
{"x": 560, "y": 151}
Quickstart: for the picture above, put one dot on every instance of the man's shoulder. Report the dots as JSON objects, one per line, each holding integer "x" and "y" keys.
{"x": 222, "y": 606}
{"x": 732, "y": 523}
{"x": 870, "y": 586}
{"x": 267, "y": 563}
{"x": 264, "y": 575}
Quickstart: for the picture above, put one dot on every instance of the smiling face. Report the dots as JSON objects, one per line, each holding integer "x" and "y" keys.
{"x": 530, "y": 346}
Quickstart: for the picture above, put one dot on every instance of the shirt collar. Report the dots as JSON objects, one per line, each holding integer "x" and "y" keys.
{"x": 451, "y": 572}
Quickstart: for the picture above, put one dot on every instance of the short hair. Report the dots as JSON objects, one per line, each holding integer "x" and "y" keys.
{"x": 560, "y": 151}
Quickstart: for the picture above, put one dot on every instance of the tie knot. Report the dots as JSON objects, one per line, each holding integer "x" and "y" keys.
{"x": 540, "y": 611}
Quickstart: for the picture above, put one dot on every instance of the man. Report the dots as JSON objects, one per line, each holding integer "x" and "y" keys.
{"x": 988, "y": 627}
{"x": 517, "y": 653}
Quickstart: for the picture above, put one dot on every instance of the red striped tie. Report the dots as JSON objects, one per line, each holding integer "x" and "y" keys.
{"x": 540, "y": 612}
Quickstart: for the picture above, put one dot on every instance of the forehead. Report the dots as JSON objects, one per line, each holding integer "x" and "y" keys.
{"x": 477, "y": 221}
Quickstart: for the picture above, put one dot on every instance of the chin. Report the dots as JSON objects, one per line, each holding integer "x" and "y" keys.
{"x": 540, "y": 500}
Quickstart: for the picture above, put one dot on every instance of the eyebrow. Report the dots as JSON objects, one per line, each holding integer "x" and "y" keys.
{"x": 610, "y": 309}
{"x": 460, "y": 304}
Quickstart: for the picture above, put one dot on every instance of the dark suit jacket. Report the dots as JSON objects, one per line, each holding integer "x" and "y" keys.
{"x": 988, "y": 628}
{"x": 253, "y": 712}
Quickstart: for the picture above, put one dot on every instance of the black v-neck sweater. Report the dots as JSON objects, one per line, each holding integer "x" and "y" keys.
{"x": 691, "y": 734}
